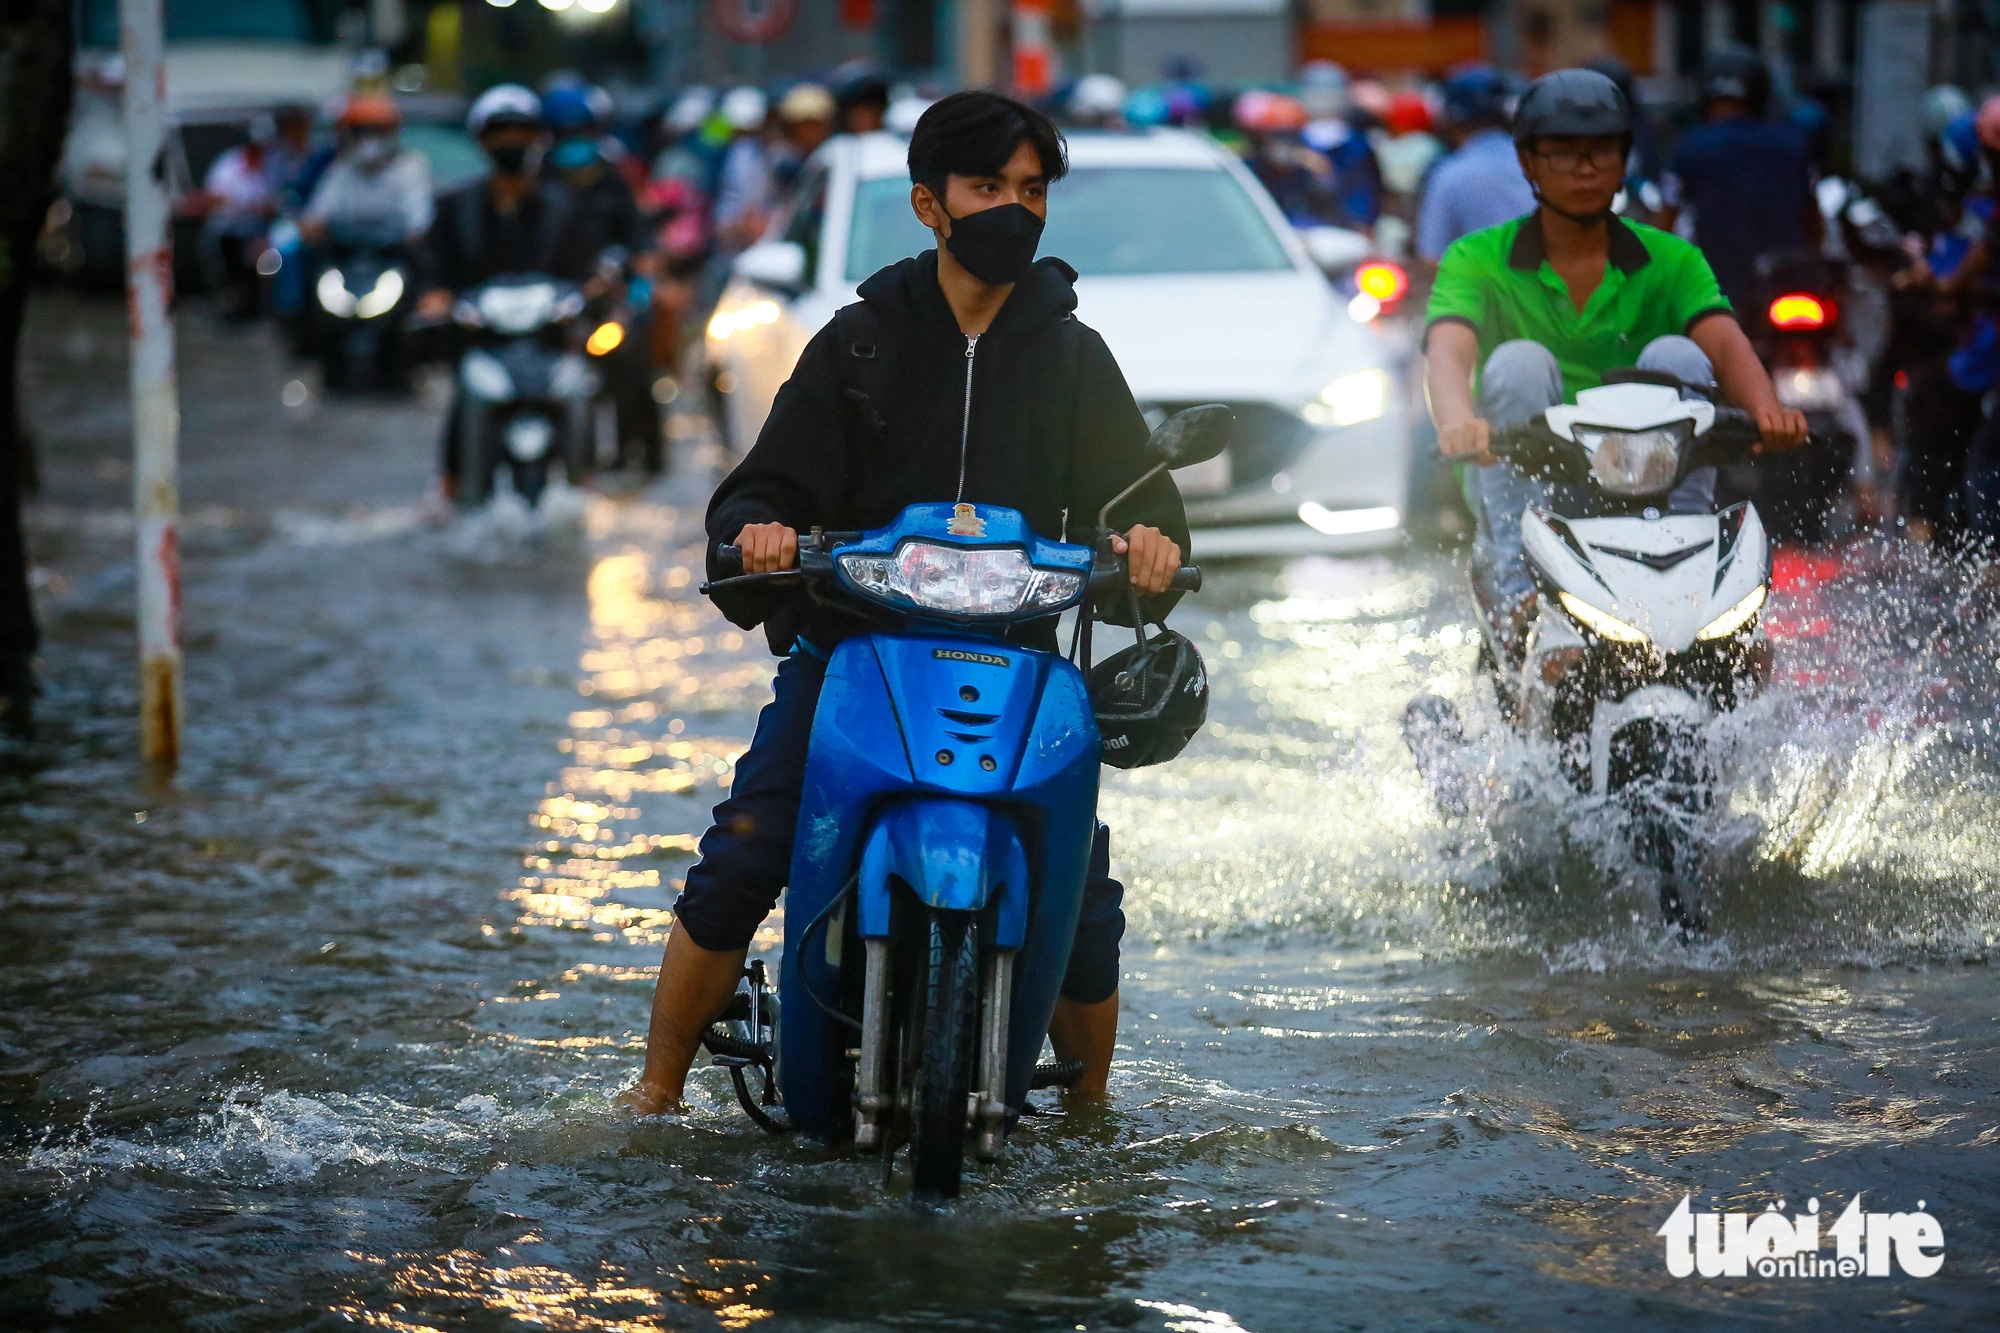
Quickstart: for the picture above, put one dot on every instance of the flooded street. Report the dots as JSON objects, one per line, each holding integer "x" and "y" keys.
{"x": 326, "y": 1034}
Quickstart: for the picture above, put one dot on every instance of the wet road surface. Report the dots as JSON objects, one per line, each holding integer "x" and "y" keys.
{"x": 326, "y": 1034}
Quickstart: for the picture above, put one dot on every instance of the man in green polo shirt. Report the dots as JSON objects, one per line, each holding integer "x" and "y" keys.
{"x": 1543, "y": 306}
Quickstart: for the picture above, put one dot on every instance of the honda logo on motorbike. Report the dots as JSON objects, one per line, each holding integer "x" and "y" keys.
{"x": 961, "y": 655}
{"x": 1774, "y": 1244}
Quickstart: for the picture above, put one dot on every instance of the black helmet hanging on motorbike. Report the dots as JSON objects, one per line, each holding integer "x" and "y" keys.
{"x": 1150, "y": 699}
{"x": 1736, "y": 74}
{"x": 1571, "y": 102}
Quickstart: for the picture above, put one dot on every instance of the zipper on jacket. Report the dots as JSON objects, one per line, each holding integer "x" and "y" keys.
{"x": 965, "y": 424}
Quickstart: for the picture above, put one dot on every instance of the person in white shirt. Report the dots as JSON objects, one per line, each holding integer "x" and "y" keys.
{"x": 375, "y": 184}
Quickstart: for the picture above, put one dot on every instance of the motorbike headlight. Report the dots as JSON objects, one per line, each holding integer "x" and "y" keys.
{"x": 1738, "y": 617}
{"x": 516, "y": 310}
{"x": 527, "y": 438}
{"x": 1810, "y": 388}
{"x": 334, "y": 298}
{"x": 1601, "y": 623}
{"x": 485, "y": 377}
{"x": 382, "y": 297}
{"x": 957, "y": 581}
{"x": 605, "y": 339}
{"x": 1350, "y": 400}
{"x": 1634, "y": 462}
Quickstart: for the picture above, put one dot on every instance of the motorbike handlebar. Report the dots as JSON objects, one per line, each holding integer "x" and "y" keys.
{"x": 729, "y": 558}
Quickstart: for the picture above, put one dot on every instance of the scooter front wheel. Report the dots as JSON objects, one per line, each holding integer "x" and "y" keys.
{"x": 944, "y": 1064}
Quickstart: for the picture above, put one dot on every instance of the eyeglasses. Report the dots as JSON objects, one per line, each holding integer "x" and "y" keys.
{"x": 1605, "y": 157}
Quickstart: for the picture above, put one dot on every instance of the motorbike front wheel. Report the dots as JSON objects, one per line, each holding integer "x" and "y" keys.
{"x": 945, "y": 1059}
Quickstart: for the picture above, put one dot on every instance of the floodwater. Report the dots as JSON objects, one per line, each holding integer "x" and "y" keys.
{"x": 326, "y": 1034}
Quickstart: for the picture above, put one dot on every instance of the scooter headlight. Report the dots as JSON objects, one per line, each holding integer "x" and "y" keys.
{"x": 485, "y": 377}
{"x": 1810, "y": 388}
{"x": 334, "y": 298}
{"x": 1738, "y": 617}
{"x": 382, "y": 297}
{"x": 958, "y": 581}
{"x": 1601, "y": 623}
{"x": 1634, "y": 462}
{"x": 527, "y": 438}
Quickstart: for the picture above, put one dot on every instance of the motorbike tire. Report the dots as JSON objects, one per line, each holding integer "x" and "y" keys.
{"x": 945, "y": 1060}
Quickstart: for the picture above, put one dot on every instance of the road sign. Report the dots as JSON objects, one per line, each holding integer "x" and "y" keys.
{"x": 753, "y": 22}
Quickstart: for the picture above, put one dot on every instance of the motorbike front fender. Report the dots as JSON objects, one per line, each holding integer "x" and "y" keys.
{"x": 955, "y": 856}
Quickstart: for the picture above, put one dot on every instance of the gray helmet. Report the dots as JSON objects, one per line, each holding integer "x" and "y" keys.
{"x": 1571, "y": 102}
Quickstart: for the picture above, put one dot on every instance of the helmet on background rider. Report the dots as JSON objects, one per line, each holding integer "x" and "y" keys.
{"x": 369, "y": 111}
{"x": 688, "y": 111}
{"x": 1409, "y": 113}
{"x": 745, "y": 108}
{"x": 1261, "y": 111}
{"x": 370, "y": 121}
{"x": 1572, "y": 103}
{"x": 1943, "y": 104}
{"x": 502, "y": 105}
{"x": 1097, "y": 99}
{"x": 1475, "y": 94}
{"x": 567, "y": 110}
{"x": 1323, "y": 89}
{"x": 1735, "y": 74}
{"x": 1146, "y": 107}
{"x": 1150, "y": 699}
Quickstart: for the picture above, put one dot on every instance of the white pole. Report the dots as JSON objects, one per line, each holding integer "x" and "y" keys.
{"x": 156, "y": 417}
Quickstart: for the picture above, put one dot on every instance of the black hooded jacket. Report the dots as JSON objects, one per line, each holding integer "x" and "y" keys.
{"x": 878, "y": 414}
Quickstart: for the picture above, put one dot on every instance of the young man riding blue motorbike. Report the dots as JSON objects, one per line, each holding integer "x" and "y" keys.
{"x": 962, "y": 375}
{"x": 1545, "y": 305}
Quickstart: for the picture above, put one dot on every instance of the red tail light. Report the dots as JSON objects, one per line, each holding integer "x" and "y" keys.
{"x": 1797, "y": 310}
{"x": 1384, "y": 281}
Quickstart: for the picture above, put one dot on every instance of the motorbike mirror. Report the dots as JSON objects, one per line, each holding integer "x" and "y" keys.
{"x": 776, "y": 264}
{"x": 1335, "y": 249}
{"x": 1192, "y": 435}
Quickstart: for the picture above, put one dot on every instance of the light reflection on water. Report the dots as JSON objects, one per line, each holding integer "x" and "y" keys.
{"x": 1378, "y": 1070}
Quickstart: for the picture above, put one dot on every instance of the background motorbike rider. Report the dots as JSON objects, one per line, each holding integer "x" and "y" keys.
{"x": 1748, "y": 179}
{"x": 1543, "y": 306}
{"x": 374, "y": 182}
{"x": 606, "y": 219}
{"x": 876, "y": 417}
{"x": 1478, "y": 184}
{"x": 507, "y": 221}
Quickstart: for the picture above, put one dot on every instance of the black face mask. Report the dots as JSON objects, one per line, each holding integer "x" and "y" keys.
{"x": 509, "y": 158}
{"x": 996, "y": 245}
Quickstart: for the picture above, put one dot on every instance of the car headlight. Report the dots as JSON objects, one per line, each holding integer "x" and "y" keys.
{"x": 334, "y": 298}
{"x": 485, "y": 377}
{"x": 382, "y": 297}
{"x": 1350, "y": 400}
{"x": 1601, "y": 623}
{"x": 728, "y": 323}
{"x": 959, "y": 581}
{"x": 1738, "y": 617}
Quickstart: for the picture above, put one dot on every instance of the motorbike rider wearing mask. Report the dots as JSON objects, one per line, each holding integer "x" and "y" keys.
{"x": 506, "y": 222}
{"x": 509, "y": 220}
{"x": 1542, "y": 306}
{"x": 373, "y": 183}
{"x": 960, "y": 374}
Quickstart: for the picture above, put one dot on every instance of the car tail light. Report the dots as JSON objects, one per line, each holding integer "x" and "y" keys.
{"x": 1798, "y": 310}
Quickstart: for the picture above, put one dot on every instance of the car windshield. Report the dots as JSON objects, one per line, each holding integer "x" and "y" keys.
{"x": 1104, "y": 221}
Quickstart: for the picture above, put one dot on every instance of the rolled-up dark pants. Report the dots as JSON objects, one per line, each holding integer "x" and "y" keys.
{"x": 746, "y": 855}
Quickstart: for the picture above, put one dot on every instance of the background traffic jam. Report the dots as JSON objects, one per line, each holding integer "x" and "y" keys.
{"x": 1357, "y": 671}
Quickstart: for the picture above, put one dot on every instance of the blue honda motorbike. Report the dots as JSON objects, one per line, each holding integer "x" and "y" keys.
{"x": 944, "y": 835}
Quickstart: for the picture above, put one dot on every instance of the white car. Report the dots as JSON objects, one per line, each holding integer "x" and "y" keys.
{"x": 1200, "y": 287}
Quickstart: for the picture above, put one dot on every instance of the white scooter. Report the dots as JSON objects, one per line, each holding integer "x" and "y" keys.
{"x": 1647, "y": 621}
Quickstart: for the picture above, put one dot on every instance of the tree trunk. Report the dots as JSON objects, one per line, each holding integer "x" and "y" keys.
{"x": 37, "y": 47}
